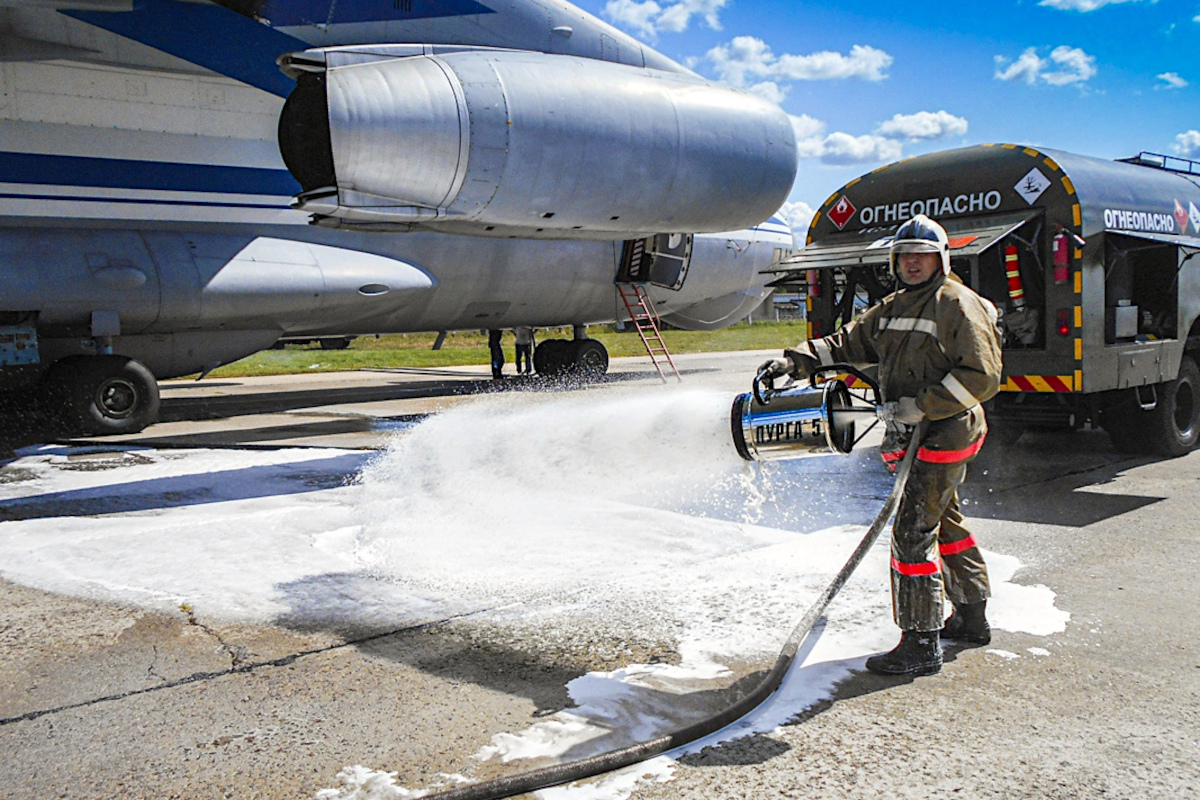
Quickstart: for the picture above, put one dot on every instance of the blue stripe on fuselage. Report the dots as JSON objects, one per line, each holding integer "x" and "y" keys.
{"x": 283, "y": 13}
{"x": 213, "y": 37}
{"x": 116, "y": 173}
{"x": 244, "y": 48}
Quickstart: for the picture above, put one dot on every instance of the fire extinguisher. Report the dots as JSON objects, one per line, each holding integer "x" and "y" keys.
{"x": 1012, "y": 270}
{"x": 1062, "y": 258}
{"x": 813, "y": 278}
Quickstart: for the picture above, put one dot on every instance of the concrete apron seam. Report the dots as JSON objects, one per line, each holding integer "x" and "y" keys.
{"x": 243, "y": 669}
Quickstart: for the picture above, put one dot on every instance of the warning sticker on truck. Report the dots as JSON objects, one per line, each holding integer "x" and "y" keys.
{"x": 1032, "y": 185}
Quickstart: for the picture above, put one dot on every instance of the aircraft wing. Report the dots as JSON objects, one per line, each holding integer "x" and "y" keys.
{"x": 501, "y": 118}
{"x": 241, "y": 39}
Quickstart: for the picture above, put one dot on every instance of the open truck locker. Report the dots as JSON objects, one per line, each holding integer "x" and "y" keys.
{"x": 1089, "y": 262}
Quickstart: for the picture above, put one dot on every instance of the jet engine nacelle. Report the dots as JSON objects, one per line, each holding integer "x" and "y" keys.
{"x": 511, "y": 143}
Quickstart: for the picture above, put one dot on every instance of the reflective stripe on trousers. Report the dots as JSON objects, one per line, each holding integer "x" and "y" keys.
{"x": 934, "y": 555}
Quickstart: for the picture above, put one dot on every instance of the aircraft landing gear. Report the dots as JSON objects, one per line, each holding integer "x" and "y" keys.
{"x": 586, "y": 358}
{"x": 100, "y": 395}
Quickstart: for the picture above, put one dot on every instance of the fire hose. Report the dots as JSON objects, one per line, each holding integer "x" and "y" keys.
{"x": 570, "y": 771}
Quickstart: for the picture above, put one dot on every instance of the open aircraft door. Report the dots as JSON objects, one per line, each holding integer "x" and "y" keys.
{"x": 662, "y": 260}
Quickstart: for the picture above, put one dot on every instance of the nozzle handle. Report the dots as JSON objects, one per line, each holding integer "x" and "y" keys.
{"x": 763, "y": 386}
{"x": 851, "y": 370}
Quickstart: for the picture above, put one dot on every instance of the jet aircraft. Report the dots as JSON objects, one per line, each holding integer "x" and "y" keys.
{"x": 184, "y": 182}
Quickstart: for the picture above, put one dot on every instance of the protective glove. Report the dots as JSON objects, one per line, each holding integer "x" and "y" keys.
{"x": 775, "y": 368}
{"x": 794, "y": 364}
{"x": 803, "y": 365}
{"x": 908, "y": 412}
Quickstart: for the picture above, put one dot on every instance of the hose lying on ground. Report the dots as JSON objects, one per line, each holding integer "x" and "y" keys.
{"x": 557, "y": 774}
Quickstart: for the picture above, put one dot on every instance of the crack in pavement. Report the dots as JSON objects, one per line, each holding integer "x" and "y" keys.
{"x": 241, "y": 669}
{"x": 237, "y": 654}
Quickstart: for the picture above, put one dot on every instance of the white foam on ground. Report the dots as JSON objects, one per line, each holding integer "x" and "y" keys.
{"x": 527, "y": 502}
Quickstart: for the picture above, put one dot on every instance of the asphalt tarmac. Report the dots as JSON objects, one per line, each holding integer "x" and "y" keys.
{"x": 102, "y": 700}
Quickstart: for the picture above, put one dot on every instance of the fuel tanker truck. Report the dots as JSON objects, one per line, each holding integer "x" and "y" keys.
{"x": 1089, "y": 262}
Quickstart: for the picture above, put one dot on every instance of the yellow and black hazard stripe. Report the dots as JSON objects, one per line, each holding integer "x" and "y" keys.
{"x": 1039, "y": 383}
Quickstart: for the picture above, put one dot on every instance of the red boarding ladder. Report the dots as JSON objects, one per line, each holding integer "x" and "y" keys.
{"x": 645, "y": 318}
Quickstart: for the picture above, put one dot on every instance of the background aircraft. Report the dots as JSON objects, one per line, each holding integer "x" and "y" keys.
{"x": 437, "y": 165}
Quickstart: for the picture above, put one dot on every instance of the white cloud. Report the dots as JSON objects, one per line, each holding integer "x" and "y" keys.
{"x": 810, "y": 135}
{"x": 676, "y": 17}
{"x": 743, "y": 56}
{"x": 1171, "y": 80}
{"x": 747, "y": 57}
{"x": 806, "y": 126}
{"x": 1077, "y": 66}
{"x": 768, "y": 90}
{"x": 1074, "y": 66}
{"x": 1084, "y": 5}
{"x": 648, "y": 17}
{"x": 923, "y": 126}
{"x": 798, "y": 214}
{"x": 1188, "y": 144}
{"x": 632, "y": 14}
{"x": 1026, "y": 67}
{"x": 842, "y": 149}
{"x": 864, "y": 62}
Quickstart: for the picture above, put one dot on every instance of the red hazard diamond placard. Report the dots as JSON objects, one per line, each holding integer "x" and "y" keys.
{"x": 842, "y": 212}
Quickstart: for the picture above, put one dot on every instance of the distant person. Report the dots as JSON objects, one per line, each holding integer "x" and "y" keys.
{"x": 938, "y": 349}
{"x": 524, "y": 349}
{"x": 497, "y": 353}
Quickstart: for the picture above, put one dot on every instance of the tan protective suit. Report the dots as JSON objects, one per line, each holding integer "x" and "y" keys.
{"x": 939, "y": 343}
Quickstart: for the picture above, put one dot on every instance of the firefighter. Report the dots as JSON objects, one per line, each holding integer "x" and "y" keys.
{"x": 937, "y": 347}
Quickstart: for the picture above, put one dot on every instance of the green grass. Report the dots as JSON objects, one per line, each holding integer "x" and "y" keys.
{"x": 470, "y": 348}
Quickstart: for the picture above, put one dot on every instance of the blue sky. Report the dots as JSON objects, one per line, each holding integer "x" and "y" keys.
{"x": 870, "y": 82}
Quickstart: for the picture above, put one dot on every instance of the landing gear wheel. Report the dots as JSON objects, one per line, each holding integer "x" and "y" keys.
{"x": 334, "y": 343}
{"x": 102, "y": 395}
{"x": 591, "y": 358}
{"x": 1171, "y": 428}
{"x": 552, "y": 357}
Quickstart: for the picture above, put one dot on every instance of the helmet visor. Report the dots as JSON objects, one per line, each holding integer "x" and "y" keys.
{"x": 916, "y": 246}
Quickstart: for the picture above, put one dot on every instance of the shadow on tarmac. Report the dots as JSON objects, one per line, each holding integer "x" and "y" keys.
{"x": 1044, "y": 478}
{"x": 188, "y": 490}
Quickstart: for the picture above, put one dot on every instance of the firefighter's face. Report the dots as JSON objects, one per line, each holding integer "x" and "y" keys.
{"x": 916, "y": 268}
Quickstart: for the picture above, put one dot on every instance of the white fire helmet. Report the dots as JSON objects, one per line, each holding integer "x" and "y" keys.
{"x": 920, "y": 235}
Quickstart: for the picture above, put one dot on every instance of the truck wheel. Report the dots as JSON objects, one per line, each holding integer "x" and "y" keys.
{"x": 1174, "y": 424}
{"x": 591, "y": 358}
{"x": 102, "y": 395}
{"x": 1171, "y": 428}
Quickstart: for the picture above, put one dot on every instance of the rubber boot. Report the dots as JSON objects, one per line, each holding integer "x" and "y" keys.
{"x": 919, "y": 653}
{"x": 968, "y": 623}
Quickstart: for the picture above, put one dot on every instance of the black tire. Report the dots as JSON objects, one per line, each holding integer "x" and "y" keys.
{"x": 552, "y": 357}
{"x": 1174, "y": 425}
{"x": 334, "y": 343}
{"x": 591, "y": 358}
{"x": 102, "y": 395}
{"x": 1171, "y": 428}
